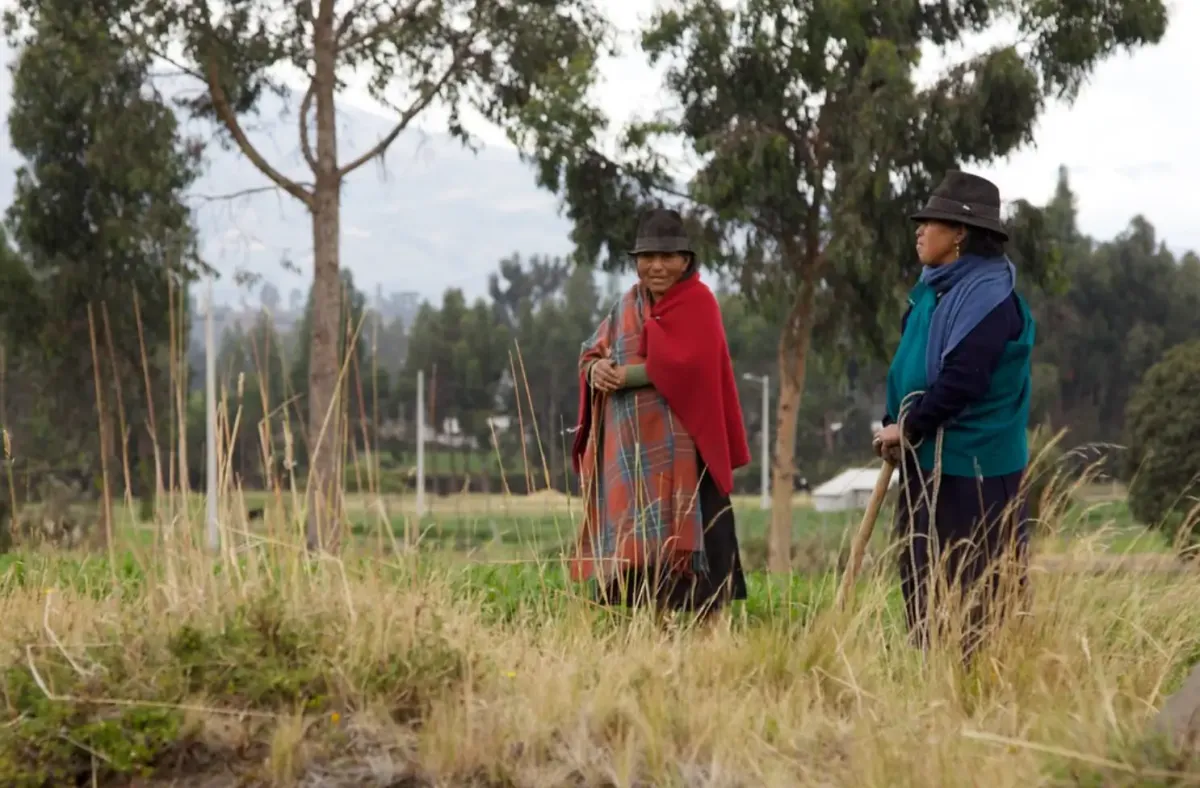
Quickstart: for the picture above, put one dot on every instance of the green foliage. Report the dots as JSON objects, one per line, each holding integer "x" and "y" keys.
{"x": 1118, "y": 291}
{"x": 256, "y": 657}
{"x": 1044, "y": 393}
{"x": 1129, "y": 301}
{"x": 464, "y": 355}
{"x": 397, "y": 473}
{"x": 549, "y": 311}
{"x": 54, "y": 742}
{"x": 100, "y": 224}
{"x": 99, "y": 200}
{"x": 815, "y": 143}
{"x": 1163, "y": 429}
{"x": 1119, "y": 306}
{"x": 801, "y": 151}
{"x": 498, "y": 57}
{"x": 257, "y": 661}
{"x": 22, "y": 311}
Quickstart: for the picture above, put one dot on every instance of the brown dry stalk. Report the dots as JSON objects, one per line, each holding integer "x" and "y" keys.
{"x": 172, "y": 422}
{"x": 521, "y": 424}
{"x": 104, "y": 447}
{"x": 116, "y": 371}
{"x": 1082, "y": 757}
{"x": 537, "y": 436}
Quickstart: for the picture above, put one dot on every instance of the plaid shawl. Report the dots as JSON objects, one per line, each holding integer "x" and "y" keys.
{"x": 640, "y": 470}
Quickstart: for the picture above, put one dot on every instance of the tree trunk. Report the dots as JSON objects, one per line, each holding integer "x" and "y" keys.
{"x": 793, "y": 353}
{"x": 324, "y": 407}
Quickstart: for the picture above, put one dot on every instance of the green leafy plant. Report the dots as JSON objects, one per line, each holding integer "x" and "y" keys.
{"x": 1162, "y": 421}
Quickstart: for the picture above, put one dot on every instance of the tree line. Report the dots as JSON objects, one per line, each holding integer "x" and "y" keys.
{"x": 814, "y": 136}
{"x": 501, "y": 383}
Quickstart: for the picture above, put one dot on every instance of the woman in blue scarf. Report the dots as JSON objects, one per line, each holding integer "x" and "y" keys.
{"x": 957, "y": 411}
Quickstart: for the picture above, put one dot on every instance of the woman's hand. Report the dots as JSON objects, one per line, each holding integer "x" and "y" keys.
{"x": 607, "y": 376}
{"x": 887, "y": 443}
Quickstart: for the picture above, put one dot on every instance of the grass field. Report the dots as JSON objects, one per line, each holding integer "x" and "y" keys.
{"x": 474, "y": 662}
{"x": 542, "y": 526}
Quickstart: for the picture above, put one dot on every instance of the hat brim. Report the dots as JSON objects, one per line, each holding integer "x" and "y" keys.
{"x": 662, "y": 246}
{"x": 979, "y": 222}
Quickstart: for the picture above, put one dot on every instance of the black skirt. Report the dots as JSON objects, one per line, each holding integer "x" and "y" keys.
{"x": 980, "y": 537}
{"x": 702, "y": 592}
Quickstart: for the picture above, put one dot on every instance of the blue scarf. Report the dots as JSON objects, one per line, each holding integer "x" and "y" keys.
{"x": 968, "y": 289}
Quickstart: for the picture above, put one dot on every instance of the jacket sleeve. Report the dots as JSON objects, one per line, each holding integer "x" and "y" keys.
{"x": 887, "y": 420}
{"x": 635, "y": 376}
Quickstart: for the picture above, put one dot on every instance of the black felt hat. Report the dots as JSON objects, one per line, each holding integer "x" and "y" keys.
{"x": 963, "y": 198}
{"x": 661, "y": 230}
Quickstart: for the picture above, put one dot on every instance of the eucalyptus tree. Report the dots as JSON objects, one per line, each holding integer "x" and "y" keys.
{"x": 490, "y": 57}
{"x": 102, "y": 227}
{"x": 815, "y": 139}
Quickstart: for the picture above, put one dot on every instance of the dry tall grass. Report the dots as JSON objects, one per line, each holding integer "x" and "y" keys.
{"x": 267, "y": 668}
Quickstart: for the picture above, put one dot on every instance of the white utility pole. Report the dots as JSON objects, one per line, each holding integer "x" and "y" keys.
{"x": 765, "y": 471}
{"x": 210, "y": 430}
{"x": 420, "y": 443}
{"x": 766, "y": 451}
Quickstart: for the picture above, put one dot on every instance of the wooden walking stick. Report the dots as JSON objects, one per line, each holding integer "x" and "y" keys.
{"x": 858, "y": 547}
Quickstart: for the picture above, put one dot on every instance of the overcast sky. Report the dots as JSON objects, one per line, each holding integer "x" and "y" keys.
{"x": 1129, "y": 141}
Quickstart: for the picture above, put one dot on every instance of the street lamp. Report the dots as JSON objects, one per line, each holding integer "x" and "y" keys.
{"x": 765, "y": 482}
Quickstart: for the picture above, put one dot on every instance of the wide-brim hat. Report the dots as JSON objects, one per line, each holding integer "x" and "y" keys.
{"x": 661, "y": 231}
{"x": 963, "y": 198}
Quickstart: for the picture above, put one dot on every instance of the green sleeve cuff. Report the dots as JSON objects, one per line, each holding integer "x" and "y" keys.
{"x": 636, "y": 377}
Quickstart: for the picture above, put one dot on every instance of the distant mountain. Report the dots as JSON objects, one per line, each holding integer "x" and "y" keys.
{"x": 433, "y": 215}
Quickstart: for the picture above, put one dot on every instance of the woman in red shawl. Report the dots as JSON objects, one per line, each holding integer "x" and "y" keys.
{"x": 660, "y": 433}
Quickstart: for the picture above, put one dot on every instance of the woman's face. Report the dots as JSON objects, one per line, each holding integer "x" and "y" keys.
{"x": 659, "y": 270}
{"x": 939, "y": 243}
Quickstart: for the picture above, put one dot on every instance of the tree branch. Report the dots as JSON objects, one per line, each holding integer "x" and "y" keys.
{"x": 305, "y": 108}
{"x": 350, "y": 17}
{"x": 139, "y": 38}
{"x": 247, "y": 192}
{"x": 368, "y": 36}
{"x": 227, "y": 116}
{"x": 419, "y": 104}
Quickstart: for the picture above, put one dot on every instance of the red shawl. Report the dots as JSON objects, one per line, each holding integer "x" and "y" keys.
{"x": 687, "y": 361}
